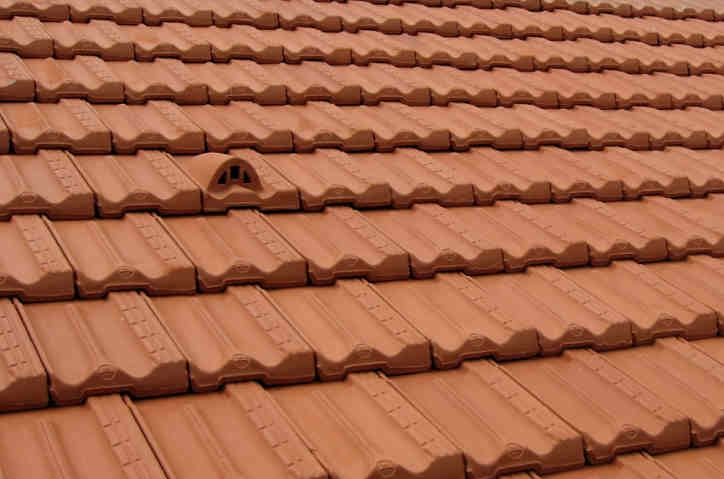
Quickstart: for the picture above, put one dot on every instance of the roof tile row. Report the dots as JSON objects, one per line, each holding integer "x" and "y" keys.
{"x": 223, "y": 12}
{"x": 80, "y": 127}
{"x": 30, "y": 38}
{"x": 49, "y": 80}
{"x": 141, "y": 344}
{"x": 169, "y": 255}
{"x": 64, "y": 186}
{"x": 564, "y": 410}
{"x": 708, "y": 10}
{"x": 407, "y": 18}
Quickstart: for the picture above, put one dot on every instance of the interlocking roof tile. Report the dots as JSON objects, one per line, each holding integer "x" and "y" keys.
{"x": 471, "y": 406}
{"x": 237, "y": 335}
{"x": 16, "y": 82}
{"x": 48, "y": 10}
{"x": 357, "y": 247}
{"x": 25, "y": 36}
{"x": 685, "y": 377}
{"x": 625, "y": 466}
{"x": 99, "y": 438}
{"x": 32, "y": 265}
{"x": 352, "y": 328}
{"x": 134, "y": 252}
{"x": 162, "y": 79}
{"x": 123, "y": 12}
{"x": 170, "y": 40}
{"x": 705, "y": 463}
{"x": 461, "y": 320}
{"x": 104, "y": 346}
{"x": 612, "y": 412}
{"x": 70, "y": 124}
{"x": 47, "y": 182}
{"x": 86, "y": 77}
{"x": 239, "y": 247}
{"x": 439, "y": 239}
{"x": 657, "y": 310}
{"x": 23, "y": 382}
{"x": 362, "y": 427}
{"x": 148, "y": 180}
{"x": 240, "y": 431}
{"x": 157, "y": 124}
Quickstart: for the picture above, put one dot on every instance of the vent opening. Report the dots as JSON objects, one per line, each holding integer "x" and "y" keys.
{"x": 234, "y": 172}
{"x": 222, "y": 179}
{"x": 247, "y": 178}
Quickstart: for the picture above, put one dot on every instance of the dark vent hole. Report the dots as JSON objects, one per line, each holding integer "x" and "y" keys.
{"x": 235, "y": 170}
{"x": 247, "y": 178}
{"x": 222, "y": 179}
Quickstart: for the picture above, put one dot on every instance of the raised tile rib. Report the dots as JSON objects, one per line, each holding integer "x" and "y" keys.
{"x": 17, "y": 83}
{"x": 69, "y": 124}
{"x": 498, "y": 425}
{"x": 47, "y": 183}
{"x": 363, "y": 427}
{"x": 23, "y": 380}
{"x": 612, "y": 412}
{"x": 105, "y": 346}
{"x": 86, "y": 77}
{"x": 239, "y": 247}
{"x": 659, "y": 308}
{"x": 685, "y": 377}
{"x": 237, "y": 335}
{"x": 121, "y": 254}
{"x": 148, "y": 180}
{"x": 61, "y": 441}
{"x": 240, "y": 432}
{"x": 563, "y": 314}
{"x": 32, "y": 265}
{"x": 352, "y": 328}
{"x": 273, "y": 191}
{"x": 461, "y": 319}
{"x": 341, "y": 242}
{"x": 439, "y": 239}
{"x": 157, "y": 124}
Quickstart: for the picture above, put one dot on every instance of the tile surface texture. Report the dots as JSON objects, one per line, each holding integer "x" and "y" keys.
{"x": 363, "y": 239}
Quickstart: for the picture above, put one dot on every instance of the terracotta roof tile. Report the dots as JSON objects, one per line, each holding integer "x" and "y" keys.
{"x": 104, "y": 346}
{"x": 47, "y": 182}
{"x": 99, "y": 438}
{"x": 357, "y": 248}
{"x": 32, "y": 265}
{"x": 352, "y": 328}
{"x": 240, "y": 431}
{"x": 47, "y": 10}
{"x": 134, "y": 252}
{"x": 123, "y": 12}
{"x": 237, "y": 335}
{"x": 162, "y": 79}
{"x": 461, "y": 320}
{"x": 84, "y": 77}
{"x": 27, "y": 37}
{"x": 16, "y": 82}
{"x": 658, "y": 310}
{"x": 70, "y": 124}
{"x": 23, "y": 382}
{"x": 685, "y": 377}
{"x": 363, "y": 427}
{"x": 148, "y": 180}
{"x": 612, "y": 412}
{"x": 472, "y": 406}
{"x": 239, "y": 247}
{"x": 704, "y": 463}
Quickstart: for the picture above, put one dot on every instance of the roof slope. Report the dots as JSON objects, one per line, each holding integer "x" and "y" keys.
{"x": 366, "y": 239}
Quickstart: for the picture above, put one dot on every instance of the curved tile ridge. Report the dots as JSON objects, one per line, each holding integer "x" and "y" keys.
{"x": 84, "y": 128}
{"x": 132, "y": 82}
{"x": 29, "y": 37}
